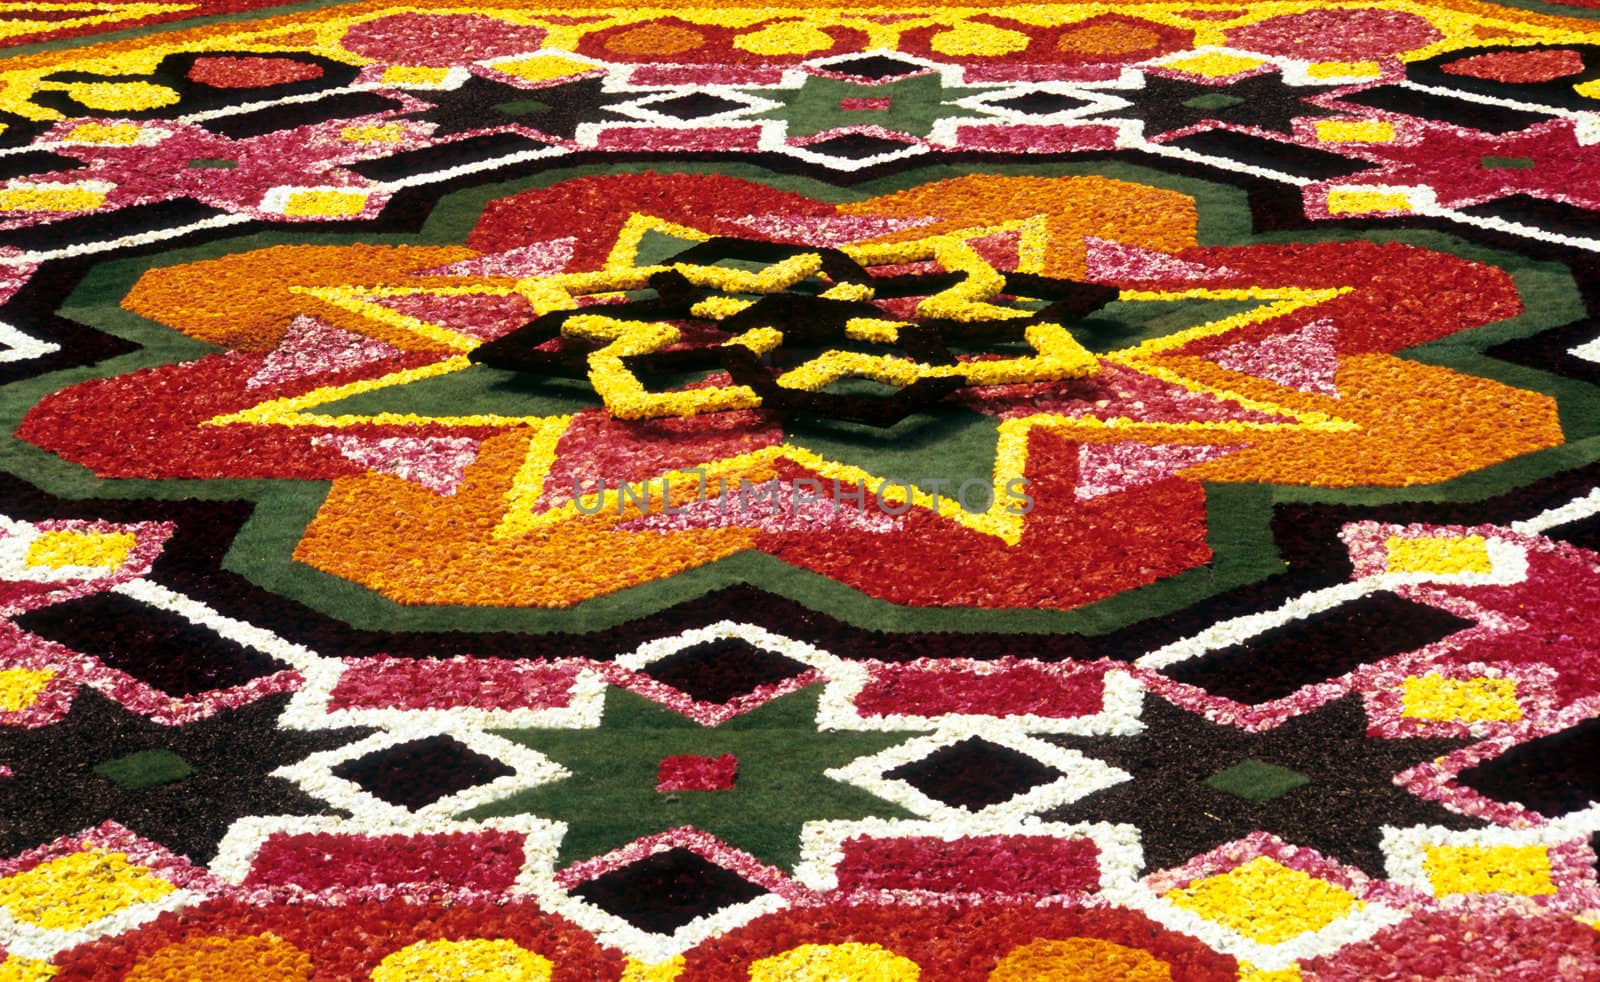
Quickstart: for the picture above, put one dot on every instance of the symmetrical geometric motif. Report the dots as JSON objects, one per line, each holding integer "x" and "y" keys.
{"x": 794, "y": 492}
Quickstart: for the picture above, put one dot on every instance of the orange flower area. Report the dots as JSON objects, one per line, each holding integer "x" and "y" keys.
{"x": 1204, "y": 401}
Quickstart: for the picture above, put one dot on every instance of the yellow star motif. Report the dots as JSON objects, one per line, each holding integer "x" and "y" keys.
{"x": 1056, "y": 355}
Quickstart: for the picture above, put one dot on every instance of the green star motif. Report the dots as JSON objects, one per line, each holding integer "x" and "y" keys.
{"x": 611, "y": 797}
{"x": 915, "y": 104}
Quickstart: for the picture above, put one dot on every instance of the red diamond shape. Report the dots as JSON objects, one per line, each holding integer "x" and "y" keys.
{"x": 691, "y": 772}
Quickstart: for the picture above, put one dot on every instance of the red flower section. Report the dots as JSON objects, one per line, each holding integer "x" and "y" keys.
{"x": 1542, "y": 65}
{"x": 1009, "y": 865}
{"x": 601, "y": 206}
{"x": 1337, "y": 35}
{"x": 1005, "y": 688}
{"x": 486, "y": 860}
{"x": 1560, "y": 623}
{"x": 1468, "y": 946}
{"x": 1108, "y": 39}
{"x": 482, "y": 683}
{"x": 441, "y": 40}
{"x": 1017, "y": 138}
{"x": 345, "y": 941}
{"x": 1072, "y": 552}
{"x": 691, "y": 772}
{"x": 950, "y": 944}
{"x": 251, "y": 73}
{"x": 671, "y": 41}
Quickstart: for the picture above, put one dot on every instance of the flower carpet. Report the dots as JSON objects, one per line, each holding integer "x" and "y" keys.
{"x": 799, "y": 492}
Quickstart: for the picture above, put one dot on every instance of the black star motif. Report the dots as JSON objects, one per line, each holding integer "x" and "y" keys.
{"x": 1262, "y": 101}
{"x": 480, "y": 103}
{"x": 1338, "y": 811}
{"x": 55, "y": 788}
{"x": 809, "y": 324}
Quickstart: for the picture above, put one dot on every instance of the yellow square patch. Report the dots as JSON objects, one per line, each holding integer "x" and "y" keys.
{"x": 1443, "y": 555}
{"x": 324, "y": 204}
{"x": 103, "y": 134}
{"x": 21, "y": 687}
{"x": 543, "y": 68}
{"x": 51, "y": 197}
{"x": 414, "y": 75}
{"x": 1434, "y": 697}
{"x": 388, "y": 133}
{"x": 1266, "y": 901}
{"x": 107, "y": 550}
{"x": 1344, "y": 69}
{"x": 1523, "y": 870}
{"x": 1214, "y": 64}
{"x": 74, "y": 891}
{"x": 1343, "y": 202}
{"x": 1355, "y": 130}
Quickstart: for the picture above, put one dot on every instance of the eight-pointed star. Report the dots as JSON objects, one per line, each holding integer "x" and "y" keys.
{"x": 610, "y": 799}
{"x": 1339, "y": 811}
{"x": 1261, "y": 101}
{"x": 55, "y": 789}
{"x": 482, "y": 103}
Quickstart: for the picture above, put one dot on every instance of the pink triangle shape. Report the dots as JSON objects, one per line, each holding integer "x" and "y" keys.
{"x": 480, "y": 315}
{"x": 539, "y": 259}
{"x": 1001, "y": 250}
{"x": 1107, "y": 468}
{"x": 825, "y": 230}
{"x": 1305, "y": 360}
{"x": 1114, "y": 261}
{"x": 311, "y": 347}
{"x": 438, "y": 463}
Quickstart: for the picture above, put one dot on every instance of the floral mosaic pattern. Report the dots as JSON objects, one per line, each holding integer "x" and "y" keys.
{"x": 853, "y": 491}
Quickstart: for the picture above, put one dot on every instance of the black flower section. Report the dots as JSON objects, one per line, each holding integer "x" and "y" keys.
{"x": 1317, "y": 780}
{"x": 181, "y": 786}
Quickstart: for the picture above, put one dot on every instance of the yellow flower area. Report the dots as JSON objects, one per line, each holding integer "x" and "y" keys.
{"x": 793, "y": 37}
{"x": 975, "y": 38}
{"x": 479, "y": 960}
{"x": 414, "y": 75}
{"x": 51, "y": 197}
{"x": 1266, "y": 901}
{"x": 1356, "y": 202}
{"x": 17, "y": 969}
{"x": 1434, "y": 697}
{"x": 1214, "y": 64}
{"x": 386, "y": 133}
{"x": 21, "y": 687}
{"x": 635, "y": 970}
{"x": 831, "y": 962}
{"x": 1355, "y": 130}
{"x": 122, "y": 96}
{"x": 1344, "y": 69}
{"x": 316, "y": 203}
{"x": 76, "y": 890}
{"x": 104, "y": 134}
{"x": 1249, "y": 973}
{"x": 1443, "y": 555}
{"x": 1523, "y": 870}
{"x": 543, "y": 68}
{"x": 107, "y": 550}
